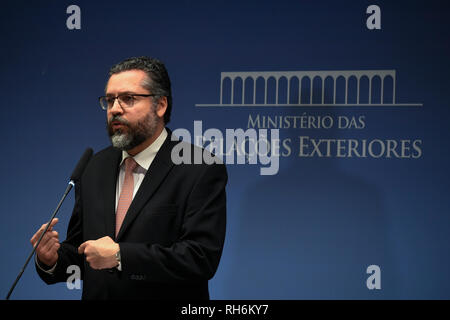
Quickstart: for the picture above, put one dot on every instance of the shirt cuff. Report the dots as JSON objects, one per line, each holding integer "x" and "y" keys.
{"x": 49, "y": 271}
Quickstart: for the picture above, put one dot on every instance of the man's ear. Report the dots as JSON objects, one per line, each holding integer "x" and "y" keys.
{"x": 161, "y": 107}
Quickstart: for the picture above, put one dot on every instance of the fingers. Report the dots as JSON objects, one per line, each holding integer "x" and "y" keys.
{"x": 50, "y": 241}
{"x": 49, "y": 245}
{"x": 54, "y": 221}
{"x": 37, "y": 235}
{"x": 83, "y": 246}
{"x": 47, "y": 250}
{"x": 52, "y": 224}
{"x": 47, "y": 236}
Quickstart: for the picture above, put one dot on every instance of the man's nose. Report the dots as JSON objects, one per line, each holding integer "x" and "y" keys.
{"x": 116, "y": 108}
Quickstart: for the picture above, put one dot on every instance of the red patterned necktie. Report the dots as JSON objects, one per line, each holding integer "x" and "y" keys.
{"x": 126, "y": 195}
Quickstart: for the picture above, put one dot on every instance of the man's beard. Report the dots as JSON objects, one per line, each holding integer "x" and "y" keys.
{"x": 136, "y": 134}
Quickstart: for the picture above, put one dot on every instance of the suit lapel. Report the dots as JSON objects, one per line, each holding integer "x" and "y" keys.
{"x": 155, "y": 175}
{"x": 110, "y": 172}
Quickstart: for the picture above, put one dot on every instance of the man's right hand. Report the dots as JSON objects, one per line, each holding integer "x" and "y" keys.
{"x": 47, "y": 251}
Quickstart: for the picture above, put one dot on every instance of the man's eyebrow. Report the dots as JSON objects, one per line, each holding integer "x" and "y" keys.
{"x": 120, "y": 93}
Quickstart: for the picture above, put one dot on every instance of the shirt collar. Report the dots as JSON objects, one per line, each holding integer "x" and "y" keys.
{"x": 146, "y": 156}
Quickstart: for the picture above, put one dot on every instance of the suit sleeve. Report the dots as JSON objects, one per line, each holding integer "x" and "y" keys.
{"x": 196, "y": 254}
{"x": 68, "y": 252}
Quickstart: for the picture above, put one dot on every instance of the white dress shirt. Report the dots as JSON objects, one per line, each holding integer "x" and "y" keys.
{"x": 144, "y": 159}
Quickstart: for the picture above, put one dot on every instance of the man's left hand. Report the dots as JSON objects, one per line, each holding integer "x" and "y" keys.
{"x": 100, "y": 254}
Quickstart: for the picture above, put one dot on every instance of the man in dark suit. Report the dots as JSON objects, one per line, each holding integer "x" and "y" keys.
{"x": 142, "y": 227}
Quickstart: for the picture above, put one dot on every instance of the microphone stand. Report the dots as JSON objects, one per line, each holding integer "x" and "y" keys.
{"x": 69, "y": 187}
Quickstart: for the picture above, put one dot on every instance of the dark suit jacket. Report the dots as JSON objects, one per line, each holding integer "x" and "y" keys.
{"x": 172, "y": 236}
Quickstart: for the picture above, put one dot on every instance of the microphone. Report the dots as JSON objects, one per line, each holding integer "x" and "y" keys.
{"x": 75, "y": 177}
{"x": 82, "y": 163}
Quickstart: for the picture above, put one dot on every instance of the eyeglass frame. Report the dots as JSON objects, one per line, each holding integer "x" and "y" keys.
{"x": 118, "y": 99}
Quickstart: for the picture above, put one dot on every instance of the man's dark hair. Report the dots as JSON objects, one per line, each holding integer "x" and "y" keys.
{"x": 157, "y": 82}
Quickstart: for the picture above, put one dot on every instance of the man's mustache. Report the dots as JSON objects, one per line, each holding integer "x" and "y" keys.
{"x": 118, "y": 119}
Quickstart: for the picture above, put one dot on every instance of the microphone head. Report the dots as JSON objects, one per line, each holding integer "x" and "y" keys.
{"x": 82, "y": 163}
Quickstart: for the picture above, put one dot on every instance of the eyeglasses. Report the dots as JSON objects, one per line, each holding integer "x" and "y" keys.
{"x": 126, "y": 100}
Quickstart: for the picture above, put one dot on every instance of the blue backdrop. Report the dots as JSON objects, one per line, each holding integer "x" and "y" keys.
{"x": 311, "y": 230}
